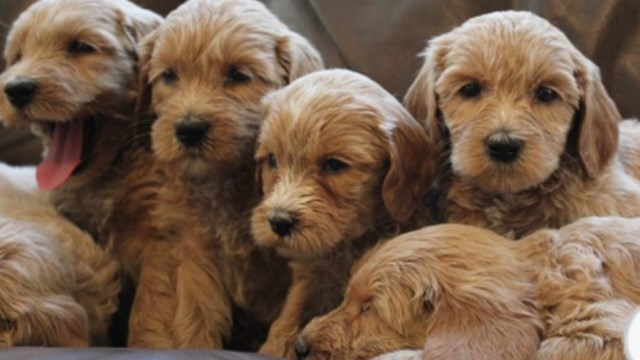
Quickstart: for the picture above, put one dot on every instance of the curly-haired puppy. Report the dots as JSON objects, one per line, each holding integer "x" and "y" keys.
{"x": 57, "y": 287}
{"x": 525, "y": 123}
{"x": 71, "y": 77}
{"x": 205, "y": 72}
{"x": 342, "y": 164}
{"x": 460, "y": 292}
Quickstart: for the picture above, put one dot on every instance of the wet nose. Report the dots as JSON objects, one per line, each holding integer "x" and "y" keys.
{"x": 192, "y": 133}
{"x": 301, "y": 348}
{"x": 282, "y": 223}
{"x": 21, "y": 92}
{"x": 504, "y": 148}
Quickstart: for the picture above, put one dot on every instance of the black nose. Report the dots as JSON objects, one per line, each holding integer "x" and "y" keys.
{"x": 191, "y": 134}
{"x": 282, "y": 223}
{"x": 301, "y": 348}
{"x": 504, "y": 148}
{"x": 20, "y": 92}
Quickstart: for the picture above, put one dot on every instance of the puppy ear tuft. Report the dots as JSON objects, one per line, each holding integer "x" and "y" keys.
{"x": 297, "y": 56}
{"x": 147, "y": 45}
{"x": 136, "y": 23}
{"x": 412, "y": 165}
{"x": 597, "y": 119}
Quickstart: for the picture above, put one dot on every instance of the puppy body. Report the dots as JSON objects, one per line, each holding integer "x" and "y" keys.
{"x": 462, "y": 292}
{"x": 58, "y": 287}
{"x": 205, "y": 71}
{"x": 338, "y": 163}
{"x": 529, "y": 133}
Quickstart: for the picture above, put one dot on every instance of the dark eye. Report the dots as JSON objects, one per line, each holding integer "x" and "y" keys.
{"x": 238, "y": 76}
{"x": 471, "y": 90}
{"x": 80, "y": 48}
{"x": 271, "y": 161}
{"x": 545, "y": 95}
{"x": 332, "y": 165}
{"x": 6, "y": 325}
{"x": 365, "y": 307}
{"x": 16, "y": 58}
{"x": 169, "y": 77}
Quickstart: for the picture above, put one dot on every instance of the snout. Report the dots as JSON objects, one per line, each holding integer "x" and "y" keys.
{"x": 191, "y": 132}
{"x": 21, "y": 91}
{"x": 301, "y": 348}
{"x": 282, "y": 223}
{"x": 503, "y": 147}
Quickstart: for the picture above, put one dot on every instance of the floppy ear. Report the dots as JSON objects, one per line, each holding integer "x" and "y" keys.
{"x": 421, "y": 99}
{"x": 412, "y": 165}
{"x": 597, "y": 119}
{"x": 143, "y": 104}
{"x": 481, "y": 332}
{"x": 297, "y": 56}
{"x": 136, "y": 23}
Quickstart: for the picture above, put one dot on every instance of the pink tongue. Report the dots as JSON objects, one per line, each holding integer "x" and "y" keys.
{"x": 63, "y": 156}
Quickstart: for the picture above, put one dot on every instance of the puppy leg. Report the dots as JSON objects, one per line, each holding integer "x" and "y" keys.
{"x": 154, "y": 303}
{"x": 594, "y": 331}
{"x": 287, "y": 326}
{"x": 203, "y": 317}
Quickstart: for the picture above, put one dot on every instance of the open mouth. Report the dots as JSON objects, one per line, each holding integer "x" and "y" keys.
{"x": 70, "y": 150}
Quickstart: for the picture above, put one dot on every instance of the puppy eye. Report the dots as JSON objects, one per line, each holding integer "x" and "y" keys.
{"x": 271, "y": 161}
{"x": 365, "y": 307}
{"x": 6, "y": 325}
{"x": 169, "y": 77}
{"x": 332, "y": 165}
{"x": 471, "y": 90}
{"x": 545, "y": 95}
{"x": 16, "y": 59}
{"x": 238, "y": 76}
{"x": 80, "y": 48}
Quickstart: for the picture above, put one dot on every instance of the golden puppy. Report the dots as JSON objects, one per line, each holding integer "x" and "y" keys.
{"x": 528, "y": 130}
{"x": 71, "y": 77}
{"x": 205, "y": 71}
{"x": 57, "y": 287}
{"x": 342, "y": 165}
{"x": 460, "y": 292}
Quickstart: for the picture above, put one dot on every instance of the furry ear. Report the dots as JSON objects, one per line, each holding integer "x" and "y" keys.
{"x": 143, "y": 104}
{"x": 412, "y": 165}
{"x": 136, "y": 23}
{"x": 421, "y": 98}
{"x": 597, "y": 119}
{"x": 481, "y": 332}
{"x": 297, "y": 56}
{"x": 56, "y": 320}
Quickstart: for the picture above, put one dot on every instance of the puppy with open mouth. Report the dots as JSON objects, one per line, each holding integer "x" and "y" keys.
{"x": 71, "y": 75}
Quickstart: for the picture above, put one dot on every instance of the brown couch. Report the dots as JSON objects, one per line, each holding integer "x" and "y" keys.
{"x": 381, "y": 38}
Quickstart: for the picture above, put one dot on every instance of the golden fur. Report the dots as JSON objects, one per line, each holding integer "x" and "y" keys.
{"x": 457, "y": 291}
{"x": 339, "y": 156}
{"x": 209, "y": 65}
{"x": 535, "y": 87}
{"x": 96, "y": 87}
{"x": 58, "y": 287}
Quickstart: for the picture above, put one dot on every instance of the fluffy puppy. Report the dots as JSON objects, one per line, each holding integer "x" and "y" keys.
{"x": 205, "y": 71}
{"x": 527, "y": 129}
{"x": 462, "y": 289}
{"x": 466, "y": 293}
{"x": 341, "y": 165}
{"x": 71, "y": 77}
{"x": 58, "y": 287}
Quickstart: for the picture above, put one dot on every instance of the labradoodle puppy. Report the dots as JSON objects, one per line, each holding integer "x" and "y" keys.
{"x": 204, "y": 72}
{"x": 524, "y": 125}
{"x": 57, "y": 287}
{"x": 460, "y": 292}
{"x": 71, "y": 76}
{"x": 342, "y": 165}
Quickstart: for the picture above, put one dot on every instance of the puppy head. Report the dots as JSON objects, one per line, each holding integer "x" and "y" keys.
{"x": 442, "y": 289}
{"x": 337, "y": 156}
{"x": 506, "y": 90}
{"x": 37, "y": 307}
{"x": 205, "y": 71}
{"x": 71, "y": 76}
